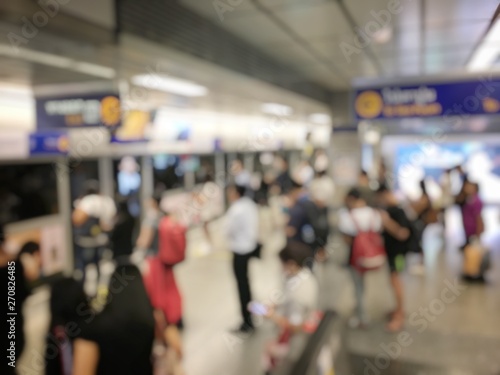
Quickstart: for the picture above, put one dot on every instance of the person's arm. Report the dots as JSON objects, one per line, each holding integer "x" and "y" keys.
{"x": 173, "y": 339}
{"x": 282, "y": 322}
{"x": 79, "y": 217}
{"x": 479, "y": 219}
{"x": 394, "y": 229}
{"x": 146, "y": 236}
{"x": 294, "y": 221}
{"x": 85, "y": 357}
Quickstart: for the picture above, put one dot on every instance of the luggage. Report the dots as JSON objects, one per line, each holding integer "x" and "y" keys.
{"x": 476, "y": 260}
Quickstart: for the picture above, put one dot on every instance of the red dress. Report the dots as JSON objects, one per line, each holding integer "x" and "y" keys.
{"x": 159, "y": 278}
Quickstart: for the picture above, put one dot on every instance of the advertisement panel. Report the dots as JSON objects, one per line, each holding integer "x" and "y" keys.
{"x": 78, "y": 111}
{"x": 479, "y": 97}
{"x": 49, "y": 143}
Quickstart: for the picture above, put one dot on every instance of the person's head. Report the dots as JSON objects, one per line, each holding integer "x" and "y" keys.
{"x": 128, "y": 300}
{"x": 91, "y": 187}
{"x": 295, "y": 190}
{"x": 470, "y": 188}
{"x": 31, "y": 258}
{"x": 321, "y": 192}
{"x": 294, "y": 256}
{"x": 235, "y": 192}
{"x": 353, "y": 199}
{"x": 236, "y": 166}
{"x": 155, "y": 201}
{"x": 385, "y": 196}
{"x": 66, "y": 300}
{"x": 363, "y": 179}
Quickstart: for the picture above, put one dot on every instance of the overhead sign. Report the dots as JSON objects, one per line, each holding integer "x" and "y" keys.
{"x": 429, "y": 100}
{"x": 49, "y": 143}
{"x": 81, "y": 111}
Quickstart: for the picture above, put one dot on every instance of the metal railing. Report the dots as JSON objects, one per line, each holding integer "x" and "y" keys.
{"x": 323, "y": 352}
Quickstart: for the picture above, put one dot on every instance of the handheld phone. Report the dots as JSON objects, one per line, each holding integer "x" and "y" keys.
{"x": 258, "y": 308}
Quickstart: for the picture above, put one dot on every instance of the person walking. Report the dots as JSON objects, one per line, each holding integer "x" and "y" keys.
{"x": 242, "y": 222}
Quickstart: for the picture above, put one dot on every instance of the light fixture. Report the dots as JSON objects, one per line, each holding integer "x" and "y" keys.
{"x": 57, "y": 61}
{"x": 169, "y": 84}
{"x": 320, "y": 118}
{"x": 488, "y": 50}
{"x": 276, "y": 109}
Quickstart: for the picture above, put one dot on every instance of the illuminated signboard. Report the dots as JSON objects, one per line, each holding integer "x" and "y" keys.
{"x": 429, "y": 100}
{"x": 82, "y": 111}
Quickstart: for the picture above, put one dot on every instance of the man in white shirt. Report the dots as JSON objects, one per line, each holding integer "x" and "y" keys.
{"x": 242, "y": 222}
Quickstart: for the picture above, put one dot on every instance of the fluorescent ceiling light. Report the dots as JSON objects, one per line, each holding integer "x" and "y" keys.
{"x": 94, "y": 69}
{"x": 276, "y": 109}
{"x": 169, "y": 84}
{"x": 320, "y": 118}
{"x": 487, "y": 52}
{"x": 57, "y": 61}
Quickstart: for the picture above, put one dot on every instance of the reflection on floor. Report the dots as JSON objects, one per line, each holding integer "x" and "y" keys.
{"x": 459, "y": 336}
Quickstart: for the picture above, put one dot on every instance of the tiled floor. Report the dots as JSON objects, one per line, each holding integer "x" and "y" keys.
{"x": 460, "y": 337}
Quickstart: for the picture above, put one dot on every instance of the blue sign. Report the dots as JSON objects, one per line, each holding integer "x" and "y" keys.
{"x": 49, "y": 143}
{"x": 80, "y": 111}
{"x": 447, "y": 100}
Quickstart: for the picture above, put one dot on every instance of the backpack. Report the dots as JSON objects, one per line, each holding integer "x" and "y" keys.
{"x": 172, "y": 241}
{"x": 368, "y": 252}
{"x": 318, "y": 219}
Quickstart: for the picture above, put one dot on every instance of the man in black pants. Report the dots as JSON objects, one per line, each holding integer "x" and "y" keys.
{"x": 242, "y": 221}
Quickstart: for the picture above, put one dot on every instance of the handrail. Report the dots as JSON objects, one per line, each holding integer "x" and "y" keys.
{"x": 300, "y": 363}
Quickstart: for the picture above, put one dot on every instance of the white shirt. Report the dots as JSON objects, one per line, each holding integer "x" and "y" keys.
{"x": 300, "y": 297}
{"x": 98, "y": 206}
{"x": 242, "y": 226}
{"x": 366, "y": 219}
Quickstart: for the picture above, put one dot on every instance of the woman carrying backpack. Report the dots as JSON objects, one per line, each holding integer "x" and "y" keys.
{"x": 362, "y": 226}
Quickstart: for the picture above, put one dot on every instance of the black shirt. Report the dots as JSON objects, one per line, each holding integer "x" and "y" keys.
{"x": 392, "y": 245}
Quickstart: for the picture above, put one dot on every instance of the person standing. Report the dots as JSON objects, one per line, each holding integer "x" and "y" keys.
{"x": 242, "y": 222}
{"x": 396, "y": 249}
{"x": 471, "y": 206}
{"x": 355, "y": 219}
{"x": 148, "y": 236}
{"x": 92, "y": 220}
{"x": 15, "y": 274}
{"x": 299, "y": 228}
{"x": 123, "y": 231}
{"x": 119, "y": 340}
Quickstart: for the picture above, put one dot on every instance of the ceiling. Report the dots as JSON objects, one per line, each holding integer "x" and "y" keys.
{"x": 228, "y": 91}
{"x": 429, "y": 37}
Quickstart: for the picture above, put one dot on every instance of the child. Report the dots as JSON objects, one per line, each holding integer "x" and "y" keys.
{"x": 299, "y": 300}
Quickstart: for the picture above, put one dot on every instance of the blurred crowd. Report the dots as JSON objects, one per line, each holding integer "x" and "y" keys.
{"x": 122, "y": 308}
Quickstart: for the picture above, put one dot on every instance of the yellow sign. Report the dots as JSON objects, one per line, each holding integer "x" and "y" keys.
{"x": 369, "y": 104}
{"x": 491, "y": 105}
{"x": 110, "y": 110}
